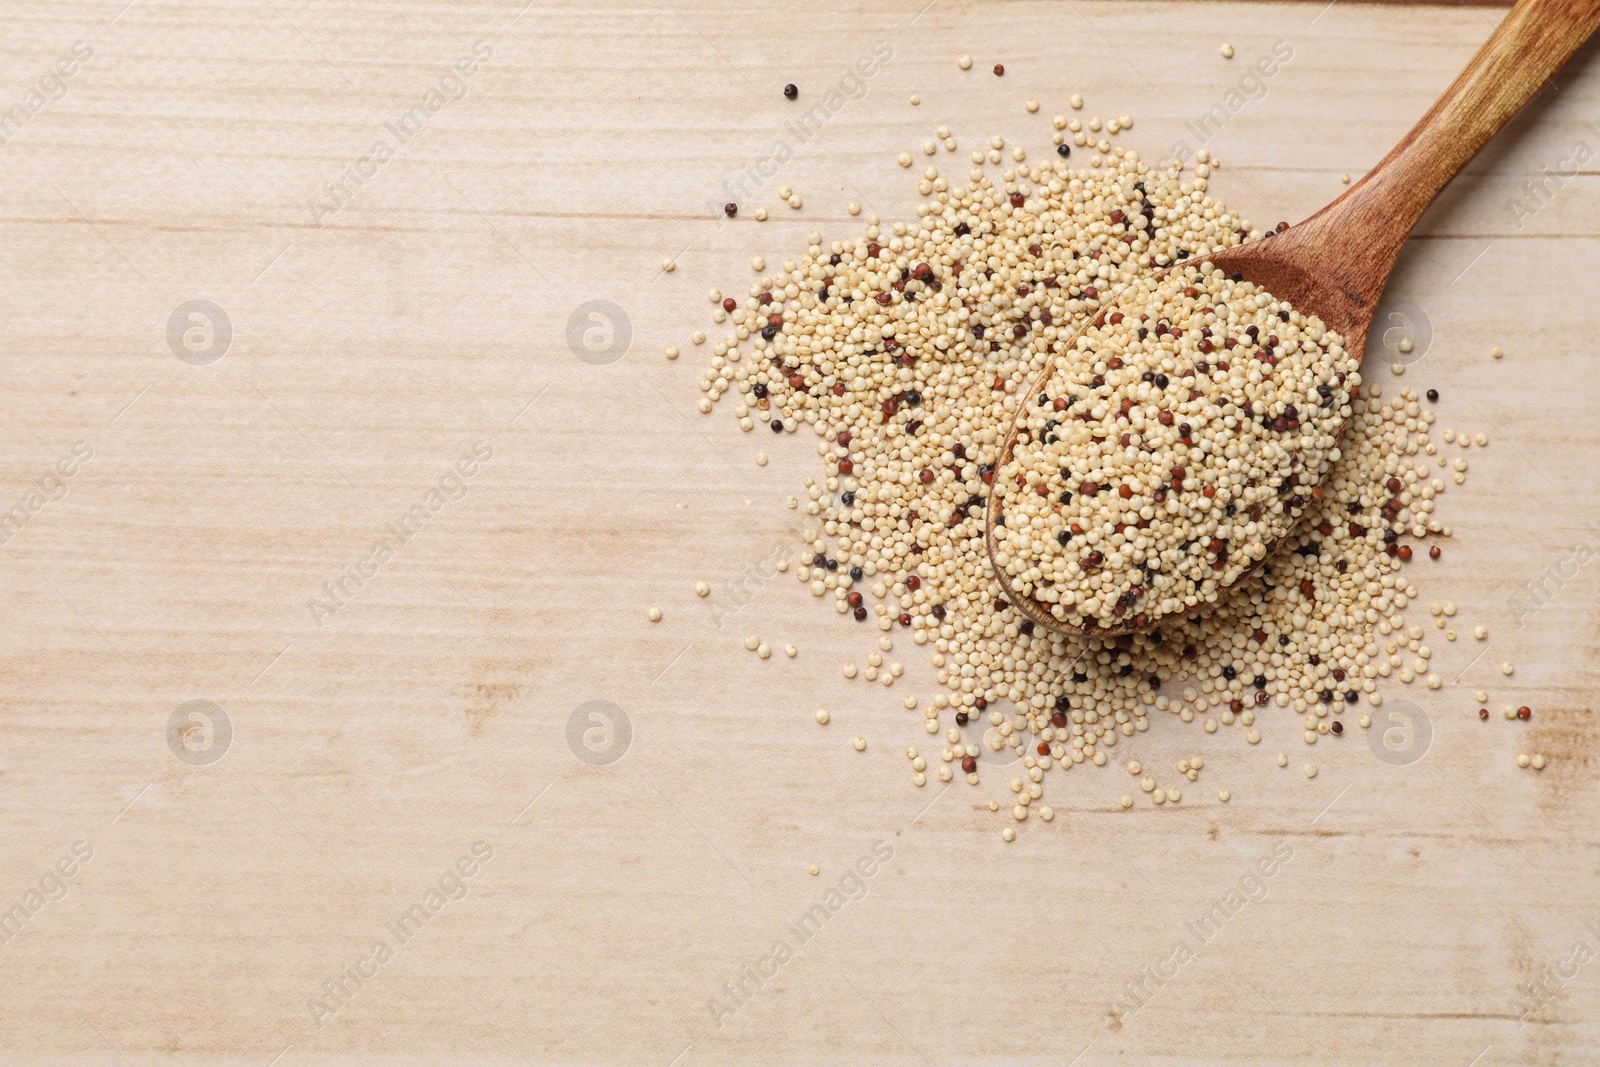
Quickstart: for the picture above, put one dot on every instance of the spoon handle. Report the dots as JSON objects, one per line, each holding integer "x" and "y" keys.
{"x": 1532, "y": 42}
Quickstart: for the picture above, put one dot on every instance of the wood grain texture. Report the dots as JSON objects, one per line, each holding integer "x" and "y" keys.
{"x": 376, "y": 345}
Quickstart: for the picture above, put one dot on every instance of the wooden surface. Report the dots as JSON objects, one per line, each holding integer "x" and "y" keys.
{"x": 375, "y": 347}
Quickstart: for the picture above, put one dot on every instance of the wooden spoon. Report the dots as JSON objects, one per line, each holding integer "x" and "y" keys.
{"x": 1334, "y": 265}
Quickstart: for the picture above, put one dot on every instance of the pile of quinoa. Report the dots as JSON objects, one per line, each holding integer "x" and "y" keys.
{"x": 1168, "y": 448}
{"x": 911, "y": 350}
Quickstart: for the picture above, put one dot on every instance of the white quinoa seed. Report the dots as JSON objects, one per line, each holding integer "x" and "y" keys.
{"x": 1227, "y": 51}
{"x": 964, "y": 61}
{"x": 823, "y": 716}
{"x": 860, "y": 744}
{"x": 654, "y": 614}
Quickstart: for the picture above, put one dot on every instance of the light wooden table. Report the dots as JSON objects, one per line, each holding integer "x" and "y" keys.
{"x": 426, "y": 707}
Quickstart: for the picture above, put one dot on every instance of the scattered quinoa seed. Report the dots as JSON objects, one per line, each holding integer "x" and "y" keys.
{"x": 1207, "y": 456}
